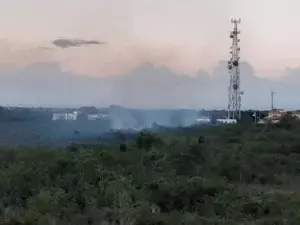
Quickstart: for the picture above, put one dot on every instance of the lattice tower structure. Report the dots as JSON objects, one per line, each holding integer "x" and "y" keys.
{"x": 234, "y": 92}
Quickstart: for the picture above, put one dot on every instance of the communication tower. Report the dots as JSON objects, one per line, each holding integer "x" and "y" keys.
{"x": 234, "y": 92}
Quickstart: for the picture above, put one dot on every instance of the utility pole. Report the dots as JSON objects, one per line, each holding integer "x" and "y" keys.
{"x": 272, "y": 100}
{"x": 255, "y": 116}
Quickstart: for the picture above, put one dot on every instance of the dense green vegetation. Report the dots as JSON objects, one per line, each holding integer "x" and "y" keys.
{"x": 235, "y": 174}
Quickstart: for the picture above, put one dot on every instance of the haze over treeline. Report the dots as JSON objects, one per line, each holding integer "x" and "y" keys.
{"x": 146, "y": 86}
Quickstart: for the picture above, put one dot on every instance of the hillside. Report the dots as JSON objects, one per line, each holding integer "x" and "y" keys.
{"x": 233, "y": 174}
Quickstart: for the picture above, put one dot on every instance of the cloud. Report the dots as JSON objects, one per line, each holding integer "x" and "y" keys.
{"x": 67, "y": 43}
{"x": 44, "y": 48}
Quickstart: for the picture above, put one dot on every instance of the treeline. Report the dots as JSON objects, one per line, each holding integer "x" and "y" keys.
{"x": 19, "y": 114}
{"x": 173, "y": 118}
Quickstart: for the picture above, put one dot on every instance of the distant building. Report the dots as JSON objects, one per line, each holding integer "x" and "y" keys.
{"x": 276, "y": 115}
{"x": 206, "y": 120}
{"x": 203, "y": 119}
{"x": 296, "y": 114}
{"x": 97, "y": 116}
{"x": 65, "y": 116}
{"x": 226, "y": 121}
{"x": 58, "y": 116}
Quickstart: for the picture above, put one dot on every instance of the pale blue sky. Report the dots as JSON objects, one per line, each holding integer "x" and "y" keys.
{"x": 184, "y": 35}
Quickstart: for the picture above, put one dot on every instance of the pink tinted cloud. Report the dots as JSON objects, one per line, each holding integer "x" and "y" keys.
{"x": 115, "y": 58}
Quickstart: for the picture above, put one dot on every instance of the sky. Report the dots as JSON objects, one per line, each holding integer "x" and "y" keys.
{"x": 184, "y": 36}
{"x": 140, "y": 50}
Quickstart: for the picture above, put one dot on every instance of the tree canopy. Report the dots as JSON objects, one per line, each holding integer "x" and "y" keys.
{"x": 231, "y": 174}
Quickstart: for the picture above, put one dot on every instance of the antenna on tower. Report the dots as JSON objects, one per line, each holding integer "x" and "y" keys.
{"x": 234, "y": 92}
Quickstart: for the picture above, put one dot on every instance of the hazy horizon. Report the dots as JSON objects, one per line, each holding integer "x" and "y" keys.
{"x": 146, "y": 86}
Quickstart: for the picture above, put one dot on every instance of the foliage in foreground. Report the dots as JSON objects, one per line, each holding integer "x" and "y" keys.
{"x": 226, "y": 175}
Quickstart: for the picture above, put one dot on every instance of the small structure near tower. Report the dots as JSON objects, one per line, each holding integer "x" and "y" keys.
{"x": 234, "y": 92}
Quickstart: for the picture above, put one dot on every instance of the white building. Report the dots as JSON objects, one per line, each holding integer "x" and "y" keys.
{"x": 276, "y": 114}
{"x": 98, "y": 116}
{"x": 203, "y": 119}
{"x": 72, "y": 116}
{"x": 296, "y": 114}
{"x": 65, "y": 116}
{"x": 58, "y": 116}
{"x": 227, "y": 121}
